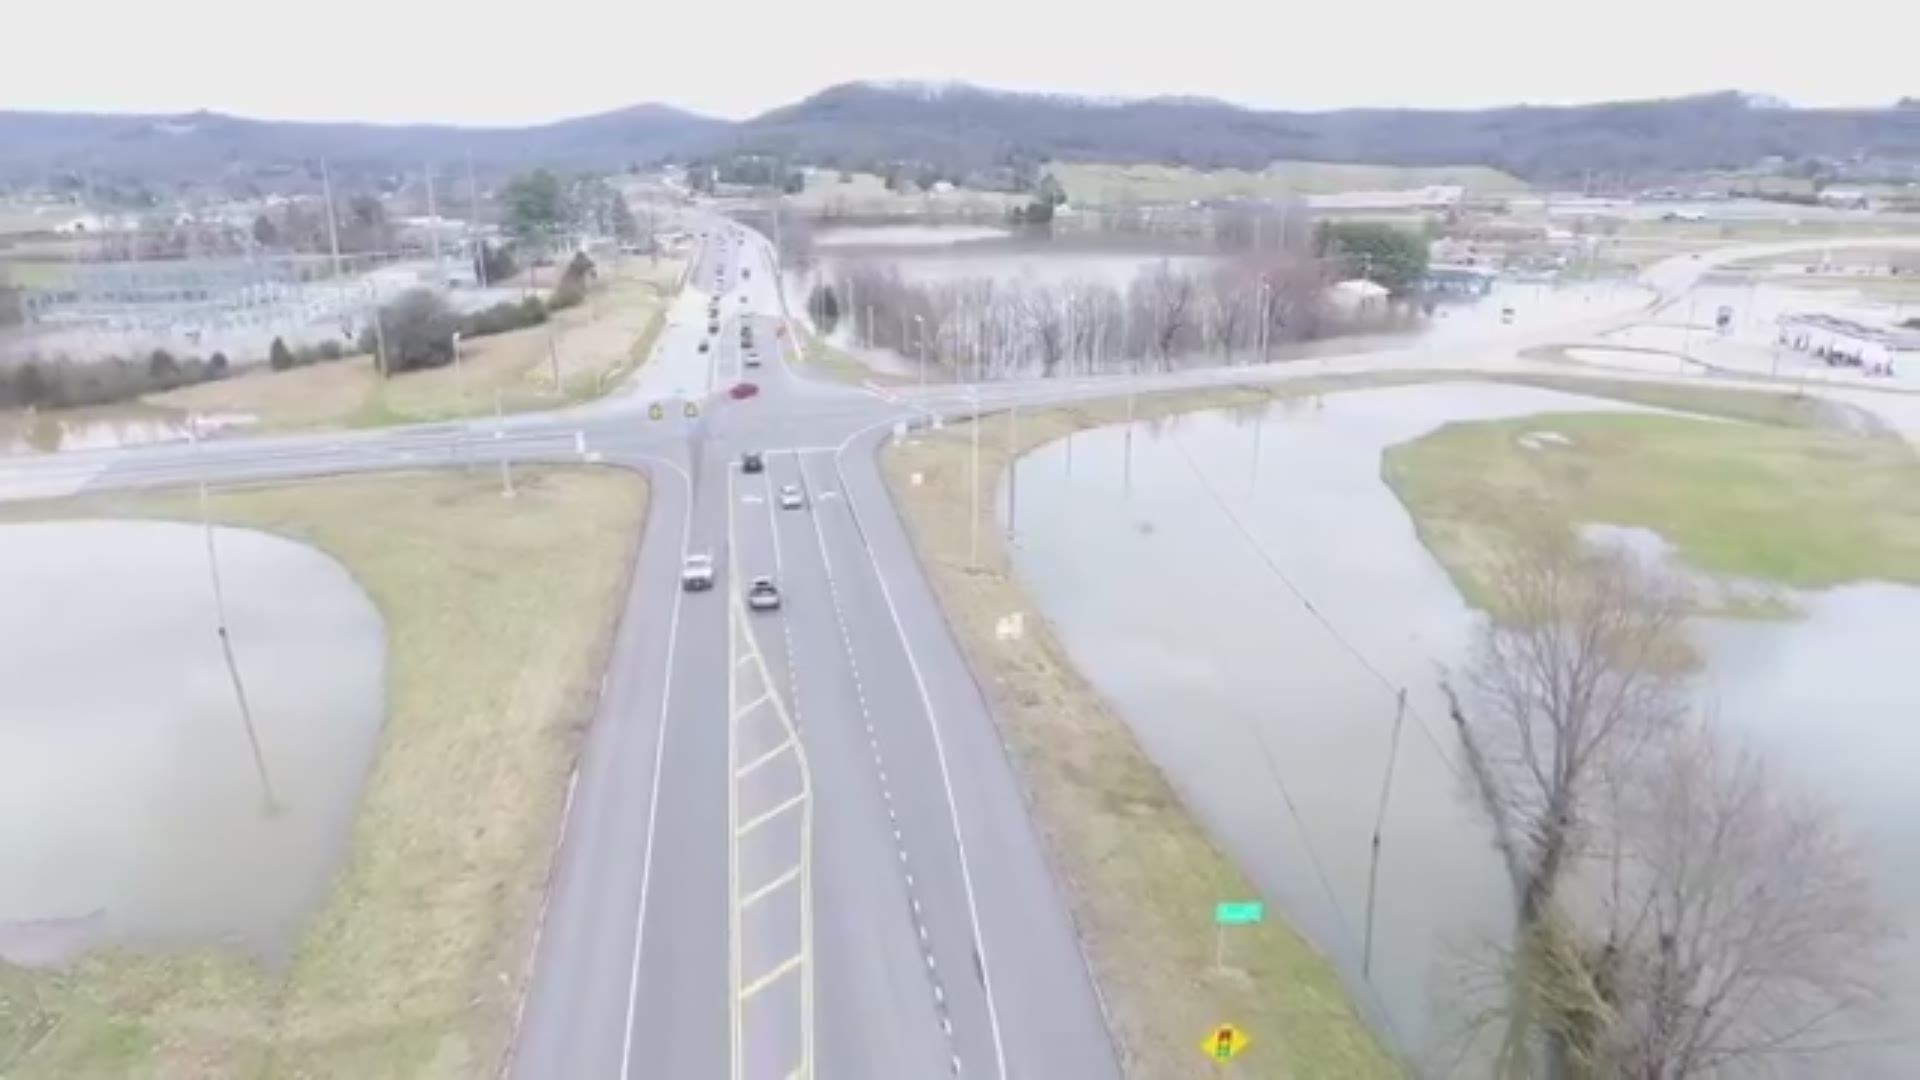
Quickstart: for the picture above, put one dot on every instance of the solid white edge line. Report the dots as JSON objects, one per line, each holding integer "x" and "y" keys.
{"x": 940, "y": 755}
{"x": 653, "y": 798}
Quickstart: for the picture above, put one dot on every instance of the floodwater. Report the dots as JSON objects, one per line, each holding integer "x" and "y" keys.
{"x": 905, "y": 235}
{"x": 102, "y": 427}
{"x": 131, "y": 811}
{"x": 1253, "y": 598}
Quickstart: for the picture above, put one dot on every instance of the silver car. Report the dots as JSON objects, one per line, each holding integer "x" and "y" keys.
{"x": 791, "y": 497}
{"x": 763, "y": 595}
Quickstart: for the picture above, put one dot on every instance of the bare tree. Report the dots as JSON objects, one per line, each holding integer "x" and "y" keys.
{"x": 1580, "y": 664}
{"x": 1740, "y": 925}
{"x": 1164, "y": 301}
{"x": 1231, "y": 297}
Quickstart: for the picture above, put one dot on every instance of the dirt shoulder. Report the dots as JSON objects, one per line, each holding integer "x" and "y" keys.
{"x": 500, "y": 615}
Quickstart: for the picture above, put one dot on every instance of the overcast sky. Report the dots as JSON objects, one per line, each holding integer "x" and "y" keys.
{"x": 459, "y": 62}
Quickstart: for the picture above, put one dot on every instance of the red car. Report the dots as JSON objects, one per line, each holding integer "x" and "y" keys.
{"x": 742, "y": 391}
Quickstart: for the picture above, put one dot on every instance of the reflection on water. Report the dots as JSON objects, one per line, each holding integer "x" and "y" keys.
{"x": 1267, "y": 690}
{"x": 130, "y": 811}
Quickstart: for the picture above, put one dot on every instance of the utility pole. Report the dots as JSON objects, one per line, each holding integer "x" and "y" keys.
{"x": 333, "y": 222}
{"x": 379, "y": 334}
{"x": 433, "y": 226}
{"x": 1379, "y": 822}
{"x": 269, "y": 802}
{"x": 473, "y": 223}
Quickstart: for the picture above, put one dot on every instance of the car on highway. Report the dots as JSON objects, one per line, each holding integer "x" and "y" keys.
{"x": 713, "y": 328}
{"x": 696, "y": 573}
{"x": 763, "y": 595}
{"x": 703, "y": 344}
{"x": 791, "y": 497}
{"x": 751, "y": 461}
{"x": 745, "y": 273}
{"x": 743, "y": 391}
{"x": 753, "y": 360}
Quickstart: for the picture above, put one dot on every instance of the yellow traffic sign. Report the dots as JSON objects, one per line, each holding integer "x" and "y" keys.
{"x": 655, "y": 412}
{"x": 692, "y": 409}
{"x": 1224, "y": 1043}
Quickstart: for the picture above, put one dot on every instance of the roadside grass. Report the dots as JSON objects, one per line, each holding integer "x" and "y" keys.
{"x": 842, "y": 366}
{"x": 1106, "y": 184}
{"x": 1141, "y": 873}
{"x": 597, "y": 344}
{"x": 1787, "y": 501}
{"x": 500, "y": 615}
{"x": 1769, "y": 407}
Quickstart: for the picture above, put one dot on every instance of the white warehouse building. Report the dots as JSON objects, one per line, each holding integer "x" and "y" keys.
{"x": 1839, "y": 342}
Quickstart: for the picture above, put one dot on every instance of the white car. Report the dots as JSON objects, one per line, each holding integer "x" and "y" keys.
{"x": 791, "y": 498}
{"x": 696, "y": 574}
{"x": 763, "y": 595}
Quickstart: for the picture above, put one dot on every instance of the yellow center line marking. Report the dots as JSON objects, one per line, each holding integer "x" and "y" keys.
{"x": 789, "y": 964}
{"x": 762, "y": 819}
{"x": 761, "y": 893}
{"x": 741, "y": 773}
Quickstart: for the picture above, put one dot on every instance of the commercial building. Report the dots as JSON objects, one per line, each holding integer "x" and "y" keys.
{"x": 1840, "y": 342}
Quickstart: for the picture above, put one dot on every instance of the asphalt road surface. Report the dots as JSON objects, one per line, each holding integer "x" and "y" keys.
{"x": 794, "y": 845}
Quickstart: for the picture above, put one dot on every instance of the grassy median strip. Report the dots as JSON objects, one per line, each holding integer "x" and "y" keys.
{"x": 500, "y": 615}
{"x": 1142, "y": 873}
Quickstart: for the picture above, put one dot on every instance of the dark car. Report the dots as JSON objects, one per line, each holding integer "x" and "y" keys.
{"x": 703, "y": 344}
{"x": 740, "y": 392}
{"x": 751, "y": 462}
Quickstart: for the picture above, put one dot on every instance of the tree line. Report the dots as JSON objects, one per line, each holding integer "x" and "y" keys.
{"x": 986, "y": 328}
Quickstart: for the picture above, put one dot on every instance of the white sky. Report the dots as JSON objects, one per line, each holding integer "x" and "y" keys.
{"x": 454, "y": 61}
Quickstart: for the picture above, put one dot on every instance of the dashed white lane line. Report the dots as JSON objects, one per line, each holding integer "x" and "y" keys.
{"x": 880, "y": 771}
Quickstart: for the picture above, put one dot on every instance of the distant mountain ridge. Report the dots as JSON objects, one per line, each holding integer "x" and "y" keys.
{"x": 959, "y": 129}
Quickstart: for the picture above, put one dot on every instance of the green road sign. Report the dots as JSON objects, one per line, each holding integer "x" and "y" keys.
{"x": 1239, "y": 913}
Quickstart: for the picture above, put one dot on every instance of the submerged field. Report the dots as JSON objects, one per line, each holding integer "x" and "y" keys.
{"x": 499, "y": 615}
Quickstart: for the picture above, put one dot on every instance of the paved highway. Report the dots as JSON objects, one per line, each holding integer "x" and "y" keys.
{"x": 794, "y": 844}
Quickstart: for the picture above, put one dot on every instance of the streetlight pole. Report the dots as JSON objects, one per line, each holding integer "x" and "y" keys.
{"x": 1266, "y": 315}
{"x": 1013, "y": 469}
{"x": 973, "y": 542}
{"x": 920, "y": 325}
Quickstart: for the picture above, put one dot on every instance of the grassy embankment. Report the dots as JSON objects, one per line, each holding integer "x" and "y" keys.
{"x": 836, "y": 363}
{"x": 499, "y": 618}
{"x": 1143, "y": 874}
{"x": 1799, "y": 497}
{"x": 598, "y": 343}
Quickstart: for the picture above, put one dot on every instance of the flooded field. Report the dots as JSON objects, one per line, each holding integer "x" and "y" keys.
{"x": 1253, "y": 600}
{"x": 131, "y": 810}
